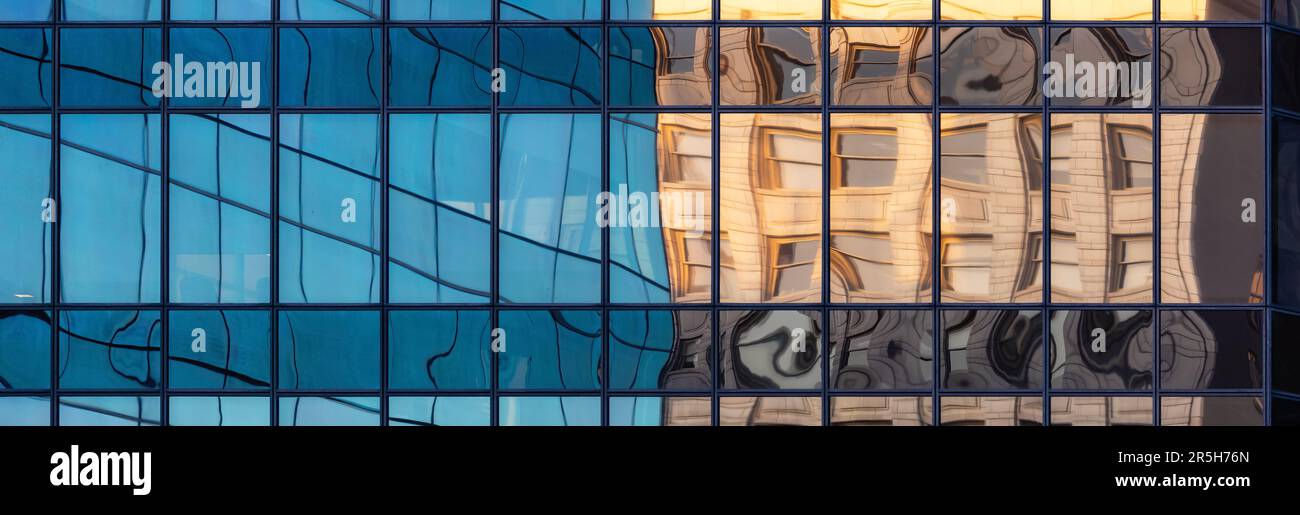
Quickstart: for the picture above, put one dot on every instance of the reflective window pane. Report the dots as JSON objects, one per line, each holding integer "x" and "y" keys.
{"x": 109, "y": 411}
{"x": 771, "y": 9}
{"x": 439, "y": 411}
{"x": 1101, "y": 350}
{"x": 880, "y": 207}
{"x": 660, "y": 66}
{"x": 882, "y": 66}
{"x": 990, "y": 199}
{"x": 220, "y": 208}
{"x": 117, "y": 10}
{"x": 109, "y": 239}
{"x": 660, "y": 411}
{"x": 660, "y": 9}
{"x": 548, "y": 411}
{"x": 871, "y": 10}
{"x": 26, "y": 58}
{"x": 330, "y": 200}
{"x": 769, "y": 411}
{"x": 219, "y": 350}
{"x": 27, "y": 210}
{"x": 336, "y": 350}
{"x": 660, "y": 350}
{"x": 1285, "y": 356}
{"x": 325, "y": 67}
{"x": 27, "y": 10}
{"x": 1216, "y": 10}
{"x": 1111, "y": 67}
{"x": 219, "y": 411}
{"x": 108, "y": 67}
{"x": 237, "y": 70}
{"x": 882, "y": 411}
{"x": 1211, "y": 411}
{"x": 769, "y": 65}
{"x": 770, "y": 350}
{"x": 443, "y": 350}
{"x": 439, "y": 9}
{"x": 1286, "y": 187}
{"x": 770, "y": 246}
{"x": 24, "y": 350}
{"x": 991, "y": 411}
{"x": 549, "y": 183}
{"x": 1102, "y": 207}
{"x": 991, "y": 350}
{"x": 1211, "y": 197}
{"x": 440, "y": 201}
{"x": 550, "y": 350}
{"x": 435, "y": 66}
{"x": 570, "y": 76}
{"x": 1211, "y": 66}
{"x": 990, "y": 9}
{"x": 993, "y": 66}
{"x": 104, "y": 349}
{"x": 881, "y": 350}
{"x": 361, "y": 10}
{"x": 1211, "y": 350}
{"x": 1286, "y": 78}
{"x": 549, "y": 10}
{"x": 658, "y": 208}
{"x": 1101, "y": 10}
{"x": 329, "y": 411}
{"x": 1102, "y": 411}
{"x": 24, "y": 411}
{"x": 221, "y": 10}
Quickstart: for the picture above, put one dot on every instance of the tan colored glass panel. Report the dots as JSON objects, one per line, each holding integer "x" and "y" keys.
{"x": 882, "y": 411}
{"x": 1101, "y": 10}
{"x": 882, "y": 9}
{"x": 771, "y": 9}
{"x": 881, "y": 66}
{"x": 1101, "y": 207}
{"x": 991, "y": 411}
{"x": 991, "y": 9}
{"x": 989, "y": 207}
{"x": 771, "y": 204}
{"x": 769, "y": 411}
{"x": 769, "y": 66}
{"x": 1213, "y": 10}
{"x": 1102, "y": 411}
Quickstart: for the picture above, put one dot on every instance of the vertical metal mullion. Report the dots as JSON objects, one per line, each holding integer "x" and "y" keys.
{"x": 936, "y": 316}
{"x": 1045, "y": 227}
{"x": 56, "y": 175}
{"x": 826, "y": 92}
{"x": 274, "y": 313}
{"x": 604, "y": 231}
{"x": 715, "y": 55}
{"x": 384, "y": 79}
{"x": 164, "y": 291}
{"x": 1156, "y": 297}
{"x": 1266, "y": 274}
{"x": 494, "y": 216}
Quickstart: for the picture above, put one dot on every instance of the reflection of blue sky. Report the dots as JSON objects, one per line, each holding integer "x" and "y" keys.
{"x": 26, "y": 254}
{"x": 109, "y": 411}
{"x": 238, "y": 10}
{"x": 549, "y": 411}
{"x": 640, "y": 266}
{"x": 24, "y": 411}
{"x": 223, "y": 411}
{"x": 24, "y": 350}
{"x": 441, "y": 411}
{"x": 329, "y": 411}
{"x": 440, "y": 9}
{"x": 636, "y": 411}
{"x": 115, "y": 10}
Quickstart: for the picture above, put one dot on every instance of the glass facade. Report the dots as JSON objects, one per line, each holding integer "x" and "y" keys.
{"x": 649, "y": 212}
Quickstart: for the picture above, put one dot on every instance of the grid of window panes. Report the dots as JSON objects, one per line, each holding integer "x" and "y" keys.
{"x": 645, "y": 212}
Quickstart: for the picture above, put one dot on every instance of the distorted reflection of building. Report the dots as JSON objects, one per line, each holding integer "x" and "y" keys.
{"x": 771, "y": 9}
{"x": 989, "y": 65}
{"x": 881, "y": 66}
{"x": 1120, "y": 357}
{"x": 991, "y": 411}
{"x": 769, "y": 411}
{"x": 881, "y": 349}
{"x": 990, "y": 208}
{"x": 1102, "y": 411}
{"x": 1102, "y": 208}
{"x": 882, "y": 411}
{"x": 769, "y": 65}
{"x": 768, "y": 350}
{"x": 1211, "y": 411}
{"x": 991, "y": 350}
{"x": 1121, "y": 58}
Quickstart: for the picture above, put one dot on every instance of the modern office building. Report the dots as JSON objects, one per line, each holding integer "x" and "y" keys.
{"x": 649, "y": 212}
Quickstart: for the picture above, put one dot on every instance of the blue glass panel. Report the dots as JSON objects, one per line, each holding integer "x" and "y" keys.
{"x": 550, "y": 350}
{"x": 660, "y": 350}
{"x": 24, "y": 411}
{"x": 549, "y": 411}
{"x": 660, "y": 66}
{"x": 220, "y": 230}
{"x": 440, "y": 9}
{"x": 219, "y": 350}
{"x": 336, "y": 350}
{"x": 234, "y": 67}
{"x": 26, "y": 58}
{"x": 329, "y": 208}
{"x": 111, "y": 188}
{"x": 109, "y": 67}
{"x": 26, "y": 10}
{"x": 219, "y": 411}
{"x": 115, "y": 10}
{"x": 551, "y": 66}
{"x": 234, "y": 10}
{"x": 24, "y": 209}
{"x": 330, "y": 9}
{"x": 440, "y": 66}
{"x": 328, "y": 67}
{"x": 439, "y": 349}
{"x": 439, "y": 411}
{"x": 24, "y": 350}
{"x": 660, "y": 411}
{"x": 109, "y": 411}
{"x": 439, "y": 203}
{"x": 550, "y": 10}
{"x": 550, "y": 178}
{"x": 329, "y": 411}
{"x": 109, "y": 349}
